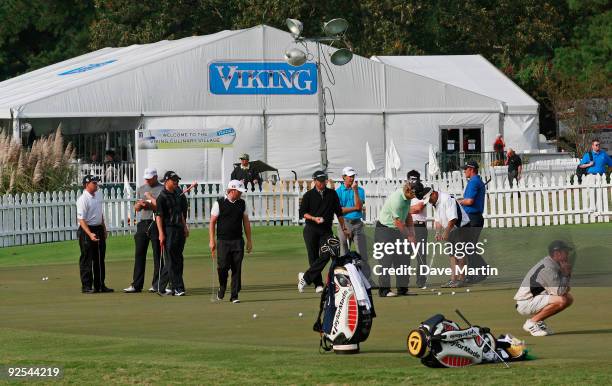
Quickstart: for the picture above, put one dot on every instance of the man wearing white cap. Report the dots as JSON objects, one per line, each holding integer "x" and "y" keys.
{"x": 352, "y": 199}
{"x": 146, "y": 231}
{"x": 228, "y": 216}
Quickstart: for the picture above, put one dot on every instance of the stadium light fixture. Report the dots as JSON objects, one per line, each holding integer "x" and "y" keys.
{"x": 334, "y": 31}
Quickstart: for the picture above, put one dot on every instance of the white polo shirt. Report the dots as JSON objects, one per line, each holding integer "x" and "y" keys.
{"x": 446, "y": 210}
{"x": 91, "y": 208}
{"x": 422, "y": 215}
{"x": 214, "y": 211}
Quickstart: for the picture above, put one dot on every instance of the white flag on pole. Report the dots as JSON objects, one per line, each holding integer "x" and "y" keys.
{"x": 388, "y": 164}
{"x": 432, "y": 167}
{"x": 369, "y": 160}
{"x": 395, "y": 158}
{"x": 127, "y": 188}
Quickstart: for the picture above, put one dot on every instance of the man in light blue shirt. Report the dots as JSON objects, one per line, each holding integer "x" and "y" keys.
{"x": 599, "y": 162}
{"x": 352, "y": 200}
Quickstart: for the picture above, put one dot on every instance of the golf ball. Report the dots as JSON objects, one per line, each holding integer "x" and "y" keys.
{"x": 300, "y": 314}
{"x": 254, "y": 316}
{"x": 439, "y": 293}
{"x": 452, "y": 293}
{"x": 467, "y": 290}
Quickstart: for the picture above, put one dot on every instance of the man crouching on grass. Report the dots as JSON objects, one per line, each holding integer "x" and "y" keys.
{"x": 545, "y": 289}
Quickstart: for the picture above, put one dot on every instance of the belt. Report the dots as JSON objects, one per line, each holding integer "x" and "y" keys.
{"x": 357, "y": 221}
{"x": 147, "y": 221}
{"x": 420, "y": 223}
{"x": 380, "y": 225}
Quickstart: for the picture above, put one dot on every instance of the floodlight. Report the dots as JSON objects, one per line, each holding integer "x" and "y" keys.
{"x": 335, "y": 27}
{"x": 295, "y": 57}
{"x": 341, "y": 57}
{"x": 295, "y": 27}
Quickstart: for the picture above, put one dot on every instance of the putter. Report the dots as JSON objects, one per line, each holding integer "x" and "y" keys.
{"x": 99, "y": 266}
{"x": 483, "y": 339}
{"x": 213, "y": 295}
{"x": 162, "y": 261}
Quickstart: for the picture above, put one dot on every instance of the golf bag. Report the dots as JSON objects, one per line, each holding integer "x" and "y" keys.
{"x": 440, "y": 342}
{"x": 346, "y": 303}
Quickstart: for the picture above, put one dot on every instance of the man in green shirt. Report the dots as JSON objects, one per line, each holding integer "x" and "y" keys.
{"x": 394, "y": 225}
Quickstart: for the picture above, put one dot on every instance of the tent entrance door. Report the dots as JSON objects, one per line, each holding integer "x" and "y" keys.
{"x": 459, "y": 145}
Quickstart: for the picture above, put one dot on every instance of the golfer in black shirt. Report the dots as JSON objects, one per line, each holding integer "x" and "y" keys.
{"x": 318, "y": 208}
{"x": 172, "y": 228}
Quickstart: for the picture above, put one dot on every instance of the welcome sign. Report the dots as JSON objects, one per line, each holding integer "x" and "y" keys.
{"x": 185, "y": 138}
{"x": 261, "y": 78}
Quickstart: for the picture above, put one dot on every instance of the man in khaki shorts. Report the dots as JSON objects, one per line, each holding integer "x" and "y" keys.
{"x": 545, "y": 289}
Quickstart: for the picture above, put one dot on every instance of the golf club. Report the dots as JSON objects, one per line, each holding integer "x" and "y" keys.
{"x": 483, "y": 339}
{"x": 162, "y": 261}
{"x": 193, "y": 185}
{"x": 213, "y": 295}
{"x": 100, "y": 281}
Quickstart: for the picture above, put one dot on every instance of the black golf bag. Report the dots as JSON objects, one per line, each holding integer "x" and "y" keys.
{"x": 440, "y": 342}
{"x": 346, "y": 303}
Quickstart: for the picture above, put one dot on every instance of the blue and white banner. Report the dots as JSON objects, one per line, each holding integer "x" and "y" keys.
{"x": 261, "y": 78}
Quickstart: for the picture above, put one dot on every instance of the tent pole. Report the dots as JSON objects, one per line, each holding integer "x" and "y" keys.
{"x": 16, "y": 126}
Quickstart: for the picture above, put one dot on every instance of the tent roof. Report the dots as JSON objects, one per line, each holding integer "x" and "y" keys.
{"x": 170, "y": 78}
{"x": 470, "y": 72}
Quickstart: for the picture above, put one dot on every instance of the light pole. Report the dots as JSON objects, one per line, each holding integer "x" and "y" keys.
{"x": 334, "y": 29}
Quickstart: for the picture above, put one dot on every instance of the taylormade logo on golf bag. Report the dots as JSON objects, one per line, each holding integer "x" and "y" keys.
{"x": 261, "y": 78}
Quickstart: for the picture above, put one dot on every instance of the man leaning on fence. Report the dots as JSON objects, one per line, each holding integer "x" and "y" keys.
{"x": 92, "y": 237}
{"x": 146, "y": 231}
{"x": 595, "y": 161}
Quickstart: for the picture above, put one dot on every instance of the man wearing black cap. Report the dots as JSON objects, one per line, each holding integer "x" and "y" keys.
{"x": 473, "y": 203}
{"x": 318, "y": 207}
{"x": 171, "y": 222}
{"x": 92, "y": 237}
{"x": 545, "y": 289}
{"x": 245, "y": 174}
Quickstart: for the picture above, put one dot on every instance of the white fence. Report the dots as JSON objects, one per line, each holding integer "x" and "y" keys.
{"x": 109, "y": 173}
{"x": 45, "y": 217}
{"x": 553, "y": 168}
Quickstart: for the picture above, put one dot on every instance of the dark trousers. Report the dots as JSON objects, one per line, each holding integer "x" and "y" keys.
{"x": 383, "y": 234}
{"x": 475, "y": 260}
{"x": 146, "y": 232}
{"x": 91, "y": 262}
{"x": 173, "y": 259}
{"x": 420, "y": 233}
{"x": 229, "y": 257}
{"x": 512, "y": 176}
{"x": 315, "y": 237}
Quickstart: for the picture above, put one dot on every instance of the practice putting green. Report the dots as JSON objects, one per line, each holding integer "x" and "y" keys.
{"x": 146, "y": 339}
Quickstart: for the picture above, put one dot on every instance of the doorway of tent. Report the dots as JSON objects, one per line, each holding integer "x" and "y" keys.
{"x": 459, "y": 144}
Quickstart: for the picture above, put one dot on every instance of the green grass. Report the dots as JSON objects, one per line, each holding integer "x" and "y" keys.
{"x": 145, "y": 339}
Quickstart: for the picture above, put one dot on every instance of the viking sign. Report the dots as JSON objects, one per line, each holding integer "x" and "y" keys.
{"x": 262, "y": 78}
{"x": 185, "y": 138}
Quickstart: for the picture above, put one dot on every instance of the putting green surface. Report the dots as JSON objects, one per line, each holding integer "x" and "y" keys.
{"x": 146, "y": 339}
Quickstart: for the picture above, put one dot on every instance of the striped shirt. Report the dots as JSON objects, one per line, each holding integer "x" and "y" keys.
{"x": 543, "y": 278}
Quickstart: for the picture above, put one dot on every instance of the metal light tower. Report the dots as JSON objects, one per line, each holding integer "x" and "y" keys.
{"x": 334, "y": 29}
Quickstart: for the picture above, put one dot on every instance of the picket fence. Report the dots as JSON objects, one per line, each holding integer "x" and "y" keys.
{"x": 534, "y": 201}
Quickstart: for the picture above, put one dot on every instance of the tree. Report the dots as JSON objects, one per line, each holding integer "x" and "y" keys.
{"x": 36, "y": 33}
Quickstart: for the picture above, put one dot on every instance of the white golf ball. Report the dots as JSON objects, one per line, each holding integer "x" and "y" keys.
{"x": 467, "y": 290}
{"x": 254, "y": 316}
{"x": 300, "y": 314}
{"x": 452, "y": 293}
{"x": 439, "y": 293}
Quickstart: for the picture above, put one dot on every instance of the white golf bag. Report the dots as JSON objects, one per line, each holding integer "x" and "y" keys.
{"x": 439, "y": 342}
{"x": 346, "y": 303}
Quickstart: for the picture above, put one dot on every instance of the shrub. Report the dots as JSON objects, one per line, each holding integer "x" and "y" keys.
{"x": 47, "y": 166}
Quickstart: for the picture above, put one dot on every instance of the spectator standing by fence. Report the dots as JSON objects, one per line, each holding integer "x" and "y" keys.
{"x": 515, "y": 167}
{"x": 595, "y": 161}
{"x": 498, "y": 147}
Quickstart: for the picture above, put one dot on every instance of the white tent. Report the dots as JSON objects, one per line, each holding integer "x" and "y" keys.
{"x": 476, "y": 74}
{"x": 167, "y": 85}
